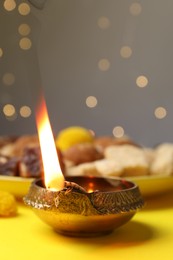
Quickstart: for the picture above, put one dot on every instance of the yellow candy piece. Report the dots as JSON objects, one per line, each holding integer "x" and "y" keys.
{"x": 73, "y": 135}
{"x": 8, "y": 205}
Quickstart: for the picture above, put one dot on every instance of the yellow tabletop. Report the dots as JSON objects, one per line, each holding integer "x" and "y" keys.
{"x": 149, "y": 235}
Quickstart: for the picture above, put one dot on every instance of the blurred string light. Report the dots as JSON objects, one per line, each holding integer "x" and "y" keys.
{"x": 9, "y": 5}
{"x": 160, "y": 112}
{"x": 8, "y": 79}
{"x": 9, "y": 110}
{"x": 25, "y": 111}
{"x": 104, "y": 64}
{"x": 24, "y": 29}
{"x": 24, "y": 9}
{"x": 25, "y": 43}
{"x": 1, "y": 52}
{"x": 125, "y": 52}
{"x": 91, "y": 101}
{"x": 118, "y": 131}
{"x": 135, "y": 9}
{"x": 142, "y": 81}
{"x": 103, "y": 22}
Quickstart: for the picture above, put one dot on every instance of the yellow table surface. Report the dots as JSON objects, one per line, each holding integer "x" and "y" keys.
{"x": 149, "y": 235}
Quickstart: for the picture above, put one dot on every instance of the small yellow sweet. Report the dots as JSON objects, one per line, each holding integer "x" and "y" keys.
{"x": 73, "y": 135}
{"x": 8, "y": 205}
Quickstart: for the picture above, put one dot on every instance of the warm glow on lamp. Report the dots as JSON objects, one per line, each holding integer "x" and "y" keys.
{"x": 53, "y": 176}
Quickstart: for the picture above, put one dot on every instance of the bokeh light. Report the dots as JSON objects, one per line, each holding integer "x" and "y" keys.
{"x": 126, "y": 52}
{"x": 104, "y": 64}
{"x": 104, "y": 22}
{"x": 118, "y": 131}
{"x": 24, "y": 9}
{"x": 9, "y": 5}
{"x": 1, "y": 52}
{"x": 160, "y": 112}
{"x": 25, "y": 111}
{"x": 25, "y": 43}
{"x": 24, "y": 29}
{"x": 135, "y": 9}
{"x": 91, "y": 101}
{"x": 9, "y": 110}
{"x": 142, "y": 81}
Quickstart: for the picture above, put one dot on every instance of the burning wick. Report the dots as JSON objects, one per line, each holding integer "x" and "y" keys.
{"x": 91, "y": 187}
{"x": 53, "y": 176}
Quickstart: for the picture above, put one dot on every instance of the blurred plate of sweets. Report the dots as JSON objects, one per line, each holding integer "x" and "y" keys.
{"x": 82, "y": 153}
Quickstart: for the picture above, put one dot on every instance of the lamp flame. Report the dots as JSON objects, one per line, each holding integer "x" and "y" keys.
{"x": 53, "y": 176}
{"x": 90, "y": 187}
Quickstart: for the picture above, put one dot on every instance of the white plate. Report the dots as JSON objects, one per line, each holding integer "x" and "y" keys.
{"x": 149, "y": 185}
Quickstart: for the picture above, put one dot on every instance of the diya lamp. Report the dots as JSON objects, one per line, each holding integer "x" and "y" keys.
{"x": 80, "y": 205}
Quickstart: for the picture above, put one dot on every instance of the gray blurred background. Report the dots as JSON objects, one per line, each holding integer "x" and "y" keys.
{"x": 106, "y": 65}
